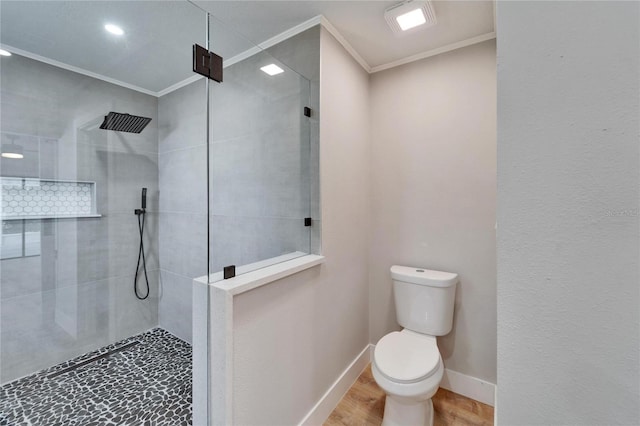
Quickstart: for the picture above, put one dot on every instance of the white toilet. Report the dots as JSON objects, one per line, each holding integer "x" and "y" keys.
{"x": 407, "y": 364}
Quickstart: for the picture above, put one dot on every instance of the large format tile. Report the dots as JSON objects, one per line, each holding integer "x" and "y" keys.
{"x": 19, "y": 276}
{"x": 183, "y": 243}
{"x": 183, "y": 180}
{"x": 182, "y": 118}
{"x": 44, "y": 328}
{"x": 261, "y": 175}
{"x": 44, "y": 100}
{"x": 119, "y": 177}
{"x": 175, "y": 304}
{"x": 95, "y": 249}
{"x": 243, "y": 240}
{"x": 238, "y": 110}
{"x": 301, "y": 53}
{"x": 130, "y": 314}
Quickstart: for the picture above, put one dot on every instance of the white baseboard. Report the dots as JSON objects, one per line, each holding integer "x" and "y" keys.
{"x": 469, "y": 386}
{"x": 464, "y": 385}
{"x": 323, "y": 408}
{"x": 495, "y": 407}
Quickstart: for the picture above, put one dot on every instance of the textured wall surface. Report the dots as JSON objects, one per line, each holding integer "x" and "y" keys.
{"x": 294, "y": 337}
{"x": 77, "y": 295}
{"x": 433, "y": 184}
{"x": 568, "y": 198}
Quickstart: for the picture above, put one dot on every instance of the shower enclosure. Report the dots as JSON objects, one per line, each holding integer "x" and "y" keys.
{"x": 231, "y": 177}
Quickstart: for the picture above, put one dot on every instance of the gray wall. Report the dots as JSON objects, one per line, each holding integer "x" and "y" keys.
{"x": 264, "y": 171}
{"x": 568, "y": 198}
{"x": 183, "y": 203}
{"x": 261, "y": 154}
{"x": 77, "y": 295}
{"x": 433, "y": 185}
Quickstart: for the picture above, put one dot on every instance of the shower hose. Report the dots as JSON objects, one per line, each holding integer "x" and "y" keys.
{"x": 144, "y": 261}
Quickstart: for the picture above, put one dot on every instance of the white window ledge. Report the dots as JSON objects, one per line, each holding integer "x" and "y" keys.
{"x": 254, "y": 275}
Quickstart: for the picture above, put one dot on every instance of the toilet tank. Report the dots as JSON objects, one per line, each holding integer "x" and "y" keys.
{"x": 424, "y": 299}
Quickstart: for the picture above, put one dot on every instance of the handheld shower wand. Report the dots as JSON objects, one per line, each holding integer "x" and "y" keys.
{"x": 141, "y": 212}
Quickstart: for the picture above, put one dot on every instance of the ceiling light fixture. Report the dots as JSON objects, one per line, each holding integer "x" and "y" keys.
{"x": 272, "y": 69}
{"x": 4, "y": 52}
{"x": 411, "y": 19}
{"x": 12, "y": 150}
{"x": 114, "y": 29}
{"x": 410, "y": 15}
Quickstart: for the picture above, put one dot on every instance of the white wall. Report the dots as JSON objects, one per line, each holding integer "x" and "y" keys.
{"x": 294, "y": 337}
{"x": 568, "y": 197}
{"x": 433, "y": 193}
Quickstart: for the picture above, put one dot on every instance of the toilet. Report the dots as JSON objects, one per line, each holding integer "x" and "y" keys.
{"x": 407, "y": 364}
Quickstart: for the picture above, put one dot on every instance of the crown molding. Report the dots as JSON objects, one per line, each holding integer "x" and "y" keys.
{"x": 78, "y": 70}
{"x": 336, "y": 34}
{"x": 434, "y": 52}
{"x": 291, "y": 32}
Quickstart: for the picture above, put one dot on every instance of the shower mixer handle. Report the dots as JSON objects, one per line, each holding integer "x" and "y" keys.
{"x": 142, "y": 210}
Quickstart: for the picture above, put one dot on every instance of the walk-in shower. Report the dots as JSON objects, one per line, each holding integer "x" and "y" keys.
{"x": 98, "y": 125}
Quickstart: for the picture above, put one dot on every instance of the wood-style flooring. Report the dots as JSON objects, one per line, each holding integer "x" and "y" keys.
{"x": 364, "y": 405}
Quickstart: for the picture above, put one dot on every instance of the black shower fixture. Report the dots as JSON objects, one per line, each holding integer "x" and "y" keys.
{"x": 120, "y": 122}
{"x": 141, "y": 213}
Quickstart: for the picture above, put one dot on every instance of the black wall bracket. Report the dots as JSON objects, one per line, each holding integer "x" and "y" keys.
{"x": 307, "y": 221}
{"x": 229, "y": 271}
{"x": 207, "y": 63}
{"x": 307, "y": 112}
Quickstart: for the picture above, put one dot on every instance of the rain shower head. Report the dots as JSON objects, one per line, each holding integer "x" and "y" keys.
{"x": 124, "y": 122}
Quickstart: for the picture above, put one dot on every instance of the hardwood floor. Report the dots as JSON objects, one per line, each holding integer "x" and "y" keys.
{"x": 364, "y": 405}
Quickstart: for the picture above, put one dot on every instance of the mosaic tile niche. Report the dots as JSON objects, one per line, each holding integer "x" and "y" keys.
{"x": 25, "y": 198}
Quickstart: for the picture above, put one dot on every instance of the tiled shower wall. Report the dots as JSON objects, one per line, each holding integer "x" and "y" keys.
{"x": 264, "y": 171}
{"x": 183, "y": 204}
{"x": 77, "y": 294}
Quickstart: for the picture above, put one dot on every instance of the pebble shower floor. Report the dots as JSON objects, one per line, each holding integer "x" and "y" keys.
{"x": 145, "y": 384}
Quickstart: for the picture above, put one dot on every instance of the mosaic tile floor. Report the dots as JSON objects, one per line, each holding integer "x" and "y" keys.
{"x": 144, "y": 384}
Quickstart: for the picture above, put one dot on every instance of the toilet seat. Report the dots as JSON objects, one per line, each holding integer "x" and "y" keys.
{"x": 407, "y": 356}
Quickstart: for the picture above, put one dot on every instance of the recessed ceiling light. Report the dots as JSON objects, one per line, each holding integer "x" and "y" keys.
{"x": 411, "y": 19}
{"x": 12, "y": 155}
{"x": 114, "y": 29}
{"x": 4, "y": 52}
{"x": 12, "y": 150}
{"x": 409, "y": 15}
{"x": 272, "y": 69}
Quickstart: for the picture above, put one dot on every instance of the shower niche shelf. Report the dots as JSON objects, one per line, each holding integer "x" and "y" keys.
{"x": 33, "y": 198}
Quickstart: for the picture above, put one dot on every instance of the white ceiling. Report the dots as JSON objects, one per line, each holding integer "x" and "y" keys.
{"x": 361, "y": 23}
{"x": 155, "y": 52}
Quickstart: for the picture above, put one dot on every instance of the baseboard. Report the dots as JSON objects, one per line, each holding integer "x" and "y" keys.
{"x": 323, "y": 408}
{"x": 464, "y": 385}
{"x": 469, "y": 386}
{"x": 495, "y": 407}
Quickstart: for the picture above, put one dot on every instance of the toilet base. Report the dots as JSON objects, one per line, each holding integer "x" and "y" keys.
{"x": 405, "y": 412}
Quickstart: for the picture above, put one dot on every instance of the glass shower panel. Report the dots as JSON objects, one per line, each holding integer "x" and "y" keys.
{"x": 260, "y": 159}
{"x": 70, "y": 240}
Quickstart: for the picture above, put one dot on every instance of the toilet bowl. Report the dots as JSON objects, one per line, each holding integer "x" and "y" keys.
{"x": 408, "y": 367}
{"x": 407, "y": 364}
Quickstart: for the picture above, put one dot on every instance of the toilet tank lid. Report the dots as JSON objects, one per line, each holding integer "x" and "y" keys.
{"x": 421, "y": 276}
